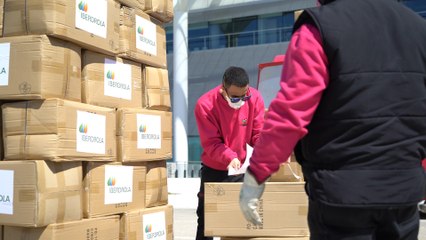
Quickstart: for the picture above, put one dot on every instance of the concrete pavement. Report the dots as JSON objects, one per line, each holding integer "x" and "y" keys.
{"x": 183, "y": 197}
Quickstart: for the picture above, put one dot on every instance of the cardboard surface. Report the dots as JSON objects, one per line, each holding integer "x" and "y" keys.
{"x": 148, "y": 223}
{"x": 156, "y": 89}
{"x": 93, "y": 25}
{"x": 43, "y": 192}
{"x": 1, "y": 26}
{"x": 138, "y": 4}
{"x": 108, "y": 191}
{"x": 40, "y": 67}
{"x": 160, "y": 9}
{"x": 290, "y": 171}
{"x": 58, "y": 130}
{"x": 103, "y": 228}
{"x": 143, "y": 135}
{"x": 111, "y": 82}
{"x": 156, "y": 184}
{"x": 283, "y": 208}
{"x": 142, "y": 38}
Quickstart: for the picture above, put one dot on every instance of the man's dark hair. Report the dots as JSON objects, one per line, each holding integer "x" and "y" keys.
{"x": 235, "y": 76}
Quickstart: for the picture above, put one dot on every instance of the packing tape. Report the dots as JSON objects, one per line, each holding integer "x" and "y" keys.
{"x": 132, "y": 235}
{"x": 41, "y": 180}
{"x": 25, "y": 130}
{"x": 60, "y": 176}
{"x": 169, "y": 228}
{"x": 67, "y": 60}
{"x": 141, "y": 185}
{"x": 96, "y": 188}
{"x": 210, "y": 207}
{"x": 25, "y": 17}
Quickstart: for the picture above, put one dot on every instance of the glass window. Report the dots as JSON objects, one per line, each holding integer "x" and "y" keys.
{"x": 269, "y": 28}
{"x": 197, "y": 36}
{"x": 288, "y": 22}
{"x": 244, "y": 31}
{"x": 219, "y": 32}
{"x": 169, "y": 39}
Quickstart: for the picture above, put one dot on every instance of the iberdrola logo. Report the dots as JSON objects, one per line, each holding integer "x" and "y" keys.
{"x": 111, "y": 181}
{"x": 148, "y": 228}
{"x": 83, "y": 6}
{"x": 142, "y": 128}
{"x": 140, "y": 30}
{"x": 110, "y": 75}
{"x": 82, "y": 128}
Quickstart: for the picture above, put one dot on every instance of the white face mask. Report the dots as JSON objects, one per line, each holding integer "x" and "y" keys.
{"x": 236, "y": 105}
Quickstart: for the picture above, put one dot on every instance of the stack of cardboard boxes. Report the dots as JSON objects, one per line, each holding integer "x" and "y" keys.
{"x": 283, "y": 209}
{"x": 86, "y": 120}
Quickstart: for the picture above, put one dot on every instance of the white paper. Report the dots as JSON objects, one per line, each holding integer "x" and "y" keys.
{"x": 154, "y": 226}
{"x": 243, "y": 168}
{"x": 117, "y": 79}
{"x": 90, "y": 131}
{"x": 6, "y": 192}
{"x": 148, "y": 131}
{"x": 4, "y": 63}
{"x": 146, "y": 36}
{"x": 91, "y": 16}
{"x": 118, "y": 184}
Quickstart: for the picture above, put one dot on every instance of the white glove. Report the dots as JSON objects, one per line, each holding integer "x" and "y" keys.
{"x": 250, "y": 194}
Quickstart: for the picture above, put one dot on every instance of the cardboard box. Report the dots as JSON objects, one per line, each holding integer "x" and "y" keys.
{"x": 143, "y": 135}
{"x": 38, "y": 67}
{"x": 142, "y": 38}
{"x": 138, "y": 4}
{"x": 160, "y": 9}
{"x": 297, "y": 14}
{"x": 59, "y": 130}
{"x": 110, "y": 81}
{"x": 38, "y": 193}
{"x": 148, "y": 223}
{"x": 92, "y": 24}
{"x": 111, "y": 188}
{"x": 103, "y": 228}
{"x": 156, "y": 88}
{"x": 156, "y": 184}
{"x": 290, "y": 171}
{"x": 283, "y": 208}
{"x": 1, "y": 29}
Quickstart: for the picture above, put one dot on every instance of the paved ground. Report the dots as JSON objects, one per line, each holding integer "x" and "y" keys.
{"x": 182, "y": 195}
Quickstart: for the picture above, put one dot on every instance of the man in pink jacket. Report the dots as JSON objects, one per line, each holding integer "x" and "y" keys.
{"x": 352, "y": 106}
{"x": 228, "y": 117}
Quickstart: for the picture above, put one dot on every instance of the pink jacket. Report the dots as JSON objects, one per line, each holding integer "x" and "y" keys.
{"x": 303, "y": 80}
{"x": 225, "y": 131}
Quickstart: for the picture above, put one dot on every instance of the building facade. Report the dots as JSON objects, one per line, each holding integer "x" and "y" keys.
{"x": 244, "y": 33}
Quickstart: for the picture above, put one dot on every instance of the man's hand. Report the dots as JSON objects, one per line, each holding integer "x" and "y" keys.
{"x": 235, "y": 164}
{"x": 250, "y": 194}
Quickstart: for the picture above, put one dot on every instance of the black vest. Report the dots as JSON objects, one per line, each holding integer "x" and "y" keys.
{"x": 367, "y": 138}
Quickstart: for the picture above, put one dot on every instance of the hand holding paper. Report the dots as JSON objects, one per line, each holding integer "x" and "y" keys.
{"x": 243, "y": 168}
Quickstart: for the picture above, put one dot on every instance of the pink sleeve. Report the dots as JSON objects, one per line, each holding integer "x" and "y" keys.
{"x": 303, "y": 80}
{"x": 210, "y": 138}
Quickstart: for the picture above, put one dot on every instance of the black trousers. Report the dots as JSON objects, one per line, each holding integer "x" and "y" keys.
{"x": 343, "y": 223}
{"x": 210, "y": 175}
